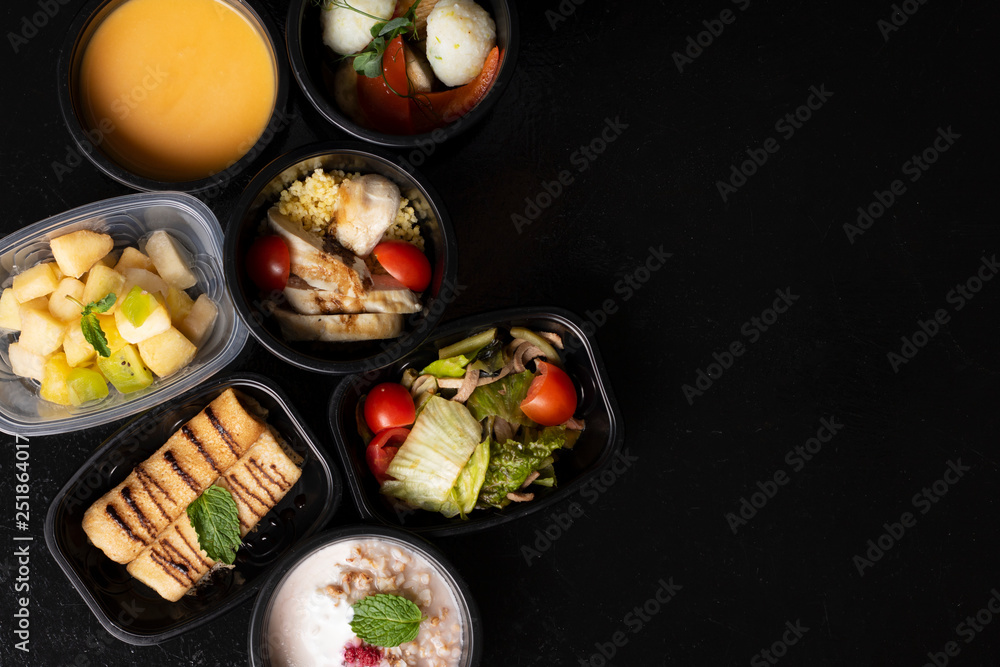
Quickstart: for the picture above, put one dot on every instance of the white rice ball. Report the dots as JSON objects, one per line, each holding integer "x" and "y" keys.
{"x": 460, "y": 34}
{"x": 346, "y": 31}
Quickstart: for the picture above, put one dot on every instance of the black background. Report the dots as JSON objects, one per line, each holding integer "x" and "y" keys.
{"x": 656, "y": 185}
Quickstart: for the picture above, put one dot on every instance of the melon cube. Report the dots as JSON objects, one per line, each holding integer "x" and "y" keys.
{"x": 179, "y": 304}
{"x": 167, "y": 353}
{"x": 77, "y": 251}
{"x": 155, "y": 323}
{"x": 199, "y": 322}
{"x": 147, "y": 280}
{"x": 132, "y": 258}
{"x": 62, "y": 308}
{"x": 41, "y": 333}
{"x": 172, "y": 262}
{"x": 102, "y": 281}
{"x": 10, "y": 316}
{"x": 39, "y": 280}
{"x": 55, "y": 387}
{"x": 24, "y": 363}
{"x": 75, "y": 345}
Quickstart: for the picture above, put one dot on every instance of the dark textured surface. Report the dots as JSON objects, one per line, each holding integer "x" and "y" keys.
{"x": 665, "y": 515}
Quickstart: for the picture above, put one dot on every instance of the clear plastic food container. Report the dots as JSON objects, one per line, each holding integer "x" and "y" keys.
{"x": 129, "y": 220}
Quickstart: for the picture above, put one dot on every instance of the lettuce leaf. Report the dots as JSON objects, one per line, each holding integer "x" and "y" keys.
{"x": 511, "y": 462}
{"x": 502, "y": 399}
{"x": 428, "y": 464}
{"x": 466, "y": 490}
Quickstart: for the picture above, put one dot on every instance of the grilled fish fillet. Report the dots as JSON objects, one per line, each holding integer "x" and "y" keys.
{"x": 175, "y": 562}
{"x": 321, "y": 264}
{"x": 387, "y": 295}
{"x": 339, "y": 328}
{"x": 128, "y": 518}
{"x": 366, "y": 208}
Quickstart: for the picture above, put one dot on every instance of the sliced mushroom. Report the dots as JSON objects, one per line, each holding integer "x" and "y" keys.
{"x": 469, "y": 384}
{"x": 553, "y": 338}
{"x": 529, "y": 479}
{"x": 418, "y": 69}
{"x": 520, "y": 497}
{"x": 502, "y": 430}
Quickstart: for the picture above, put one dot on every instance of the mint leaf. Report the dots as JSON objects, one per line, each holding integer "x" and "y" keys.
{"x": 386, "y": 620}
{"x": 215, "y": 518}
{"x": 94, "y": 334}
{"x": 89, "y": 324}
{"x": 105, "y": 303}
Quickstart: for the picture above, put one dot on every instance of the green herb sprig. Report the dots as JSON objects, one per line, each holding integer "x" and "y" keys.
{"x": 90, "y": 325}
{"x": 386, "y": 620}
{"x": 216, "y": 520}
{"x": 368, "y": 61}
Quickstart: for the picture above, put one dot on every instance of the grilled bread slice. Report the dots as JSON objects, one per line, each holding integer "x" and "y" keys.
{"x": 175, "y": 562}
{"x": 130, "y": 517}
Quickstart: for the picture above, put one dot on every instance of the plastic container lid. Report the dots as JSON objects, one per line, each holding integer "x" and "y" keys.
{"x": 129, "y": 220}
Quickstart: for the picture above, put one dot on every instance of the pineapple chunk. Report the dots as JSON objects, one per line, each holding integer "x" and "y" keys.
{"x": 102, "y": 281}
{"x": 110, "y": 329}
{"x": 77, "y": 251}
{"x": 133, "y": 259}
{"x": 24, "y": 363}
{"x": 110, "y": 260}
{"x": 55, "y": 387}
{"x": 37, "y": 281}
{"x": 147, "y": 280}
{"x": 62, "y": 308}
{"x": 40, "y": 332}
{"x": 10, "y": 317}
{"x": 167, "y": 353}
{"x": 172, "y": 262}
{"x": 156, "y": 322}
{"x": 198, "y": 324}
{"x": 179, "y": 304}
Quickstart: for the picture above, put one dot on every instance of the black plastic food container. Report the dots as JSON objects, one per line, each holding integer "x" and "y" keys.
{"x": 597, "y": 446}
{"x": 441, "y": 248}
{"x": 473, "y": 636}
{"x": 88, "y": 140}
{"x": 127, "y": 608}
{"x": 309, "y": 59}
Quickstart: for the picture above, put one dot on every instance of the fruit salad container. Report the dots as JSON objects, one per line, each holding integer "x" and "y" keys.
{"x": 129, "y": 220}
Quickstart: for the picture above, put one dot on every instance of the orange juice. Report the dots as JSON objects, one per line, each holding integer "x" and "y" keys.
{"x": 179, "y": 89}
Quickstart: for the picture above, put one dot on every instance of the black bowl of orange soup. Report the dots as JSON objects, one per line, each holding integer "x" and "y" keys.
{"x": 172, "y": 94}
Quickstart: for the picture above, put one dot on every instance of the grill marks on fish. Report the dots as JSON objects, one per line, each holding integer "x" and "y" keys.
{"x": 226, "y": 436}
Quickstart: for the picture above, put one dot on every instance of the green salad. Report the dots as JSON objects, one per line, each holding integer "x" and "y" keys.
{"x": 478, "y": 428}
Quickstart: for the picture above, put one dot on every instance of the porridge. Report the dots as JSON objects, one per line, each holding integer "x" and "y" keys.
{"x": 310, "y": 621}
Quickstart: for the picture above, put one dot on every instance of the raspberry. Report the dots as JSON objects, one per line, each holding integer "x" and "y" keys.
{"x": 362, "y": 656}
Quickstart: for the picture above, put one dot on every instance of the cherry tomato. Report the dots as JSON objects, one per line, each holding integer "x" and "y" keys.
{"x": 268, "y": 263}
{"x": 389, "y": 405}
{"x": 405, "y": 263}
{"x": 382, "y": 450}
{"x": 551, "y": 397}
